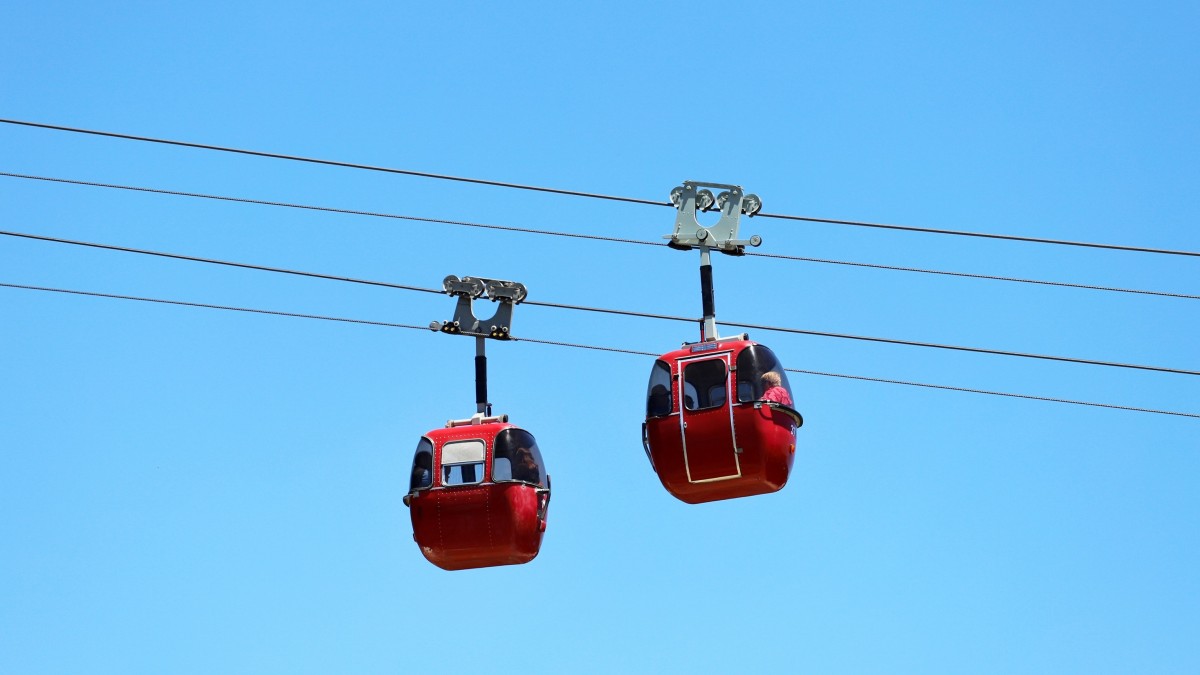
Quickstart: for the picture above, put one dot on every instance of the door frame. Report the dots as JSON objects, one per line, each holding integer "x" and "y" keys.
{"x": 680, "y": 364}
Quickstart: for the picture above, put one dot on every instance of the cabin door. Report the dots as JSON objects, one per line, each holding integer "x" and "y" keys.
{"x": 706, "y": 419}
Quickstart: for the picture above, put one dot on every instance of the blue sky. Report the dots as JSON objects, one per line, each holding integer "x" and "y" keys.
{"x": 189, "y": 490}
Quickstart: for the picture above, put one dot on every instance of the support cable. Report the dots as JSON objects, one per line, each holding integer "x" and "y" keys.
{"x": 577, "y": 193}
{"x": 213, "y": 261}
{"x": 987, "y": 392}
{"x": 572, "y": 235}
{"x": 960, "y": 348}
{"x": 983, "y": 235}
{"x": 330, "y": 209}
{"x": 331, "y": 162}
{"x": 387, "y": 324}
{"x": 667, "y": 317}
{"x": 967, "y": 275}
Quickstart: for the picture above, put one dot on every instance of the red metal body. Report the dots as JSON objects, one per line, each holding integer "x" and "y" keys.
{"x": 718, "y": 436}
{"x": 487, "y": 519}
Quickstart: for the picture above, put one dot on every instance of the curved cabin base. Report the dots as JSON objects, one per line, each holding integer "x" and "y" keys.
{"x": 732, "y": 489}
{"x": 768, "y": 442}
{"x": 483, "y": 526}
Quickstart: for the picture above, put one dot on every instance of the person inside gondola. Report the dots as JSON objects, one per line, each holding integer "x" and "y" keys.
{"x": 524, "y": 467}
{"x": 773, "y": 389}
{"x": 659, "y": 403}
{"x": 422, "y": 472}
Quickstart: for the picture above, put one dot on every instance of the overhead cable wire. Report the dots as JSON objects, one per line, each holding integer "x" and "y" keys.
{"x": 213, "y": 261}
{"x": 603, "y": 310}
{"x": 331, "y": 162}
{"x": 988, "y": 392}
{"x": 983, "y": 235}
{"x": 387, "y": 324}
{"x": 865, "y": 338}
{"x": 967, "y": 275}
{"x": 960, "y": 348}
{"x": 593, "y": 237}
{"x": 578, "y": 193}
{"x": 330, "y": 209}
{"x": 584, "y": 308}
{"x": 555, "y": 343}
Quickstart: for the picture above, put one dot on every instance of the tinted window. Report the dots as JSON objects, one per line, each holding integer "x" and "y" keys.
{"x": 760, "y": 377}
{"x": 658, "y": 393}
{"x": 517, "y": 458}
{"x": 462, "y": 462}
{"x": 422, "y": 466}
{"x": 704, "y": 384}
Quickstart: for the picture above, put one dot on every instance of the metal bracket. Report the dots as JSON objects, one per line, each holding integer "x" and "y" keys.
{"x": 723, "y": 236}
{"x": 477, "y": 418}
{"x": 467, "y": 289}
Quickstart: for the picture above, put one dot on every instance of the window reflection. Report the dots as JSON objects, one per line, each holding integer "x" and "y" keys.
{"x": 502, "y": 469}
{"x": 422, "y": 466}
{"x": 658, "y": 393}
{"x": 462, "y": 462}
{"x": 761, "y": 377}
{"x": 704, "y": 384}
{"x": 516, "y": 458}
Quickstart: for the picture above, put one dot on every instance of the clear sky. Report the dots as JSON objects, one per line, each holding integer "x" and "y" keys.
{"x": 186, "y": 490}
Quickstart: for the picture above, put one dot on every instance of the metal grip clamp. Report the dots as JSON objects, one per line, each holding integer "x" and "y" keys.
{"x": 467, "y": 289}
{"x": 723, "y": 236}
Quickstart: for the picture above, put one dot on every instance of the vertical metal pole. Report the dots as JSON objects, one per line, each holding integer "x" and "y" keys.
{"x": 481, "y": 397}
{"x": 709, "y": 330}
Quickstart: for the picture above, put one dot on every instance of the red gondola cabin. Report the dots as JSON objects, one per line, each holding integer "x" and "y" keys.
{"x": 478, "y": 494}
{"x": 720, "y": 421}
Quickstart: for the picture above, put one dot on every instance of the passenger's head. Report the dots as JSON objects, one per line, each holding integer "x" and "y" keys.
{"x": 523, "y": 457}
{"x": 771, "y": 379}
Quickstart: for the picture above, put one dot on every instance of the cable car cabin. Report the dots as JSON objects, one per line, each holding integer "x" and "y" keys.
{"x": 478, "y": 494}
{"x": 720, "y": 421}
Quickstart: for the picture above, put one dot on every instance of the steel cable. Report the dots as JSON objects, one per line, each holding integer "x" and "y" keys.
{"x": 387, "y": 324}
{"x": 578, "y": 193}
{"x": 593, "y": 237}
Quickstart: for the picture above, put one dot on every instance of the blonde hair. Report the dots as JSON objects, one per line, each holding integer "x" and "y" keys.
{"x": 771, "y": 379}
